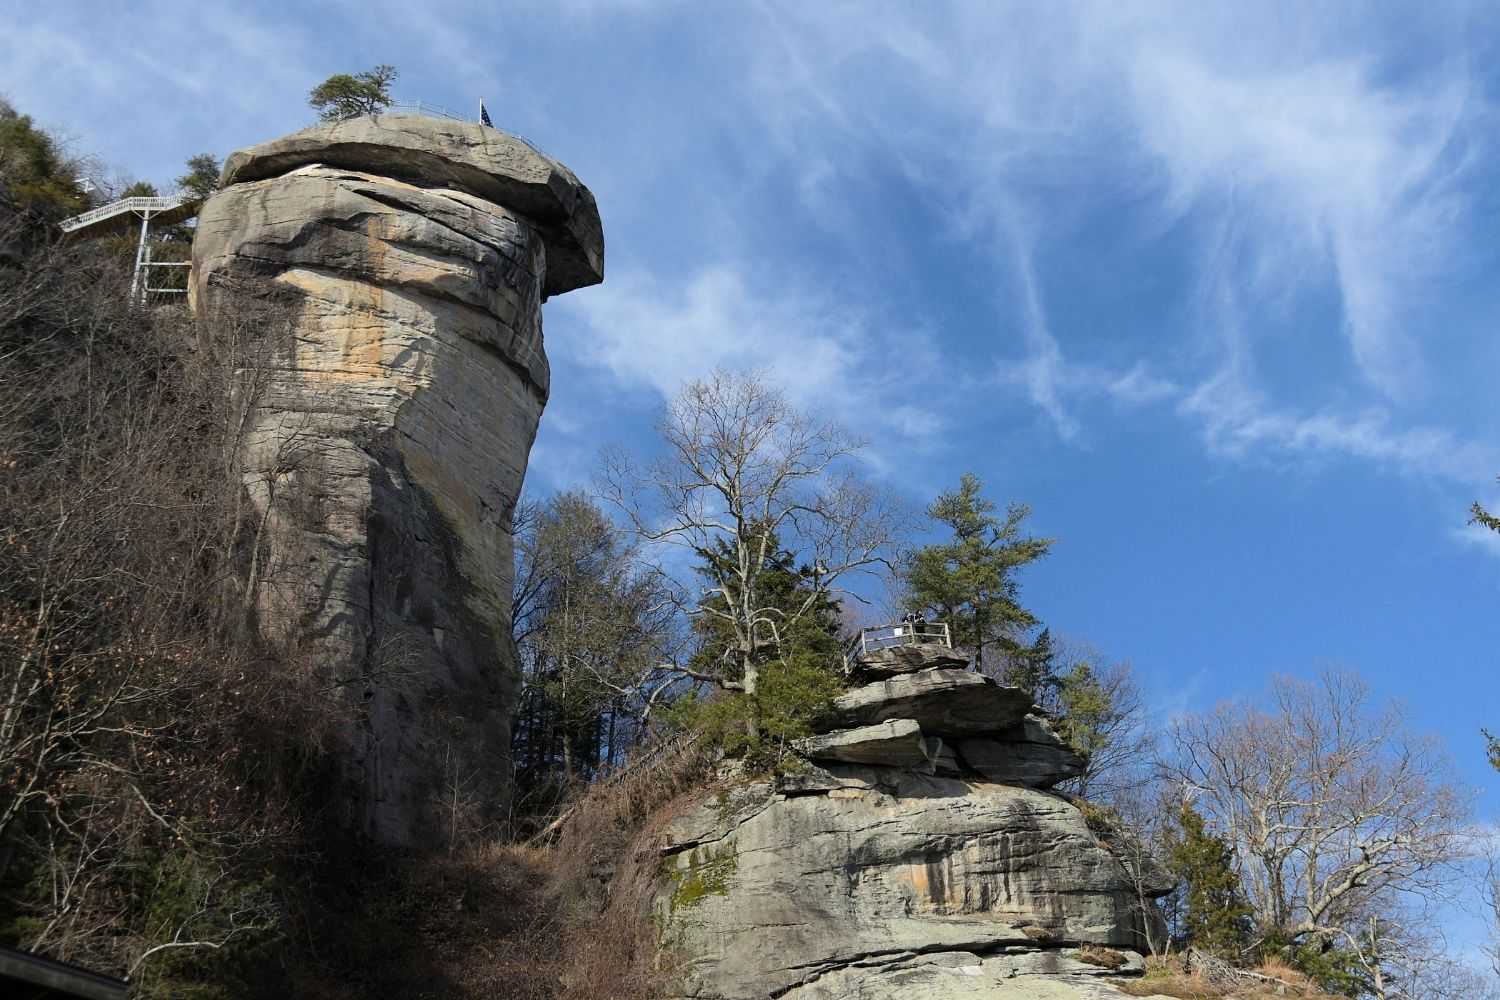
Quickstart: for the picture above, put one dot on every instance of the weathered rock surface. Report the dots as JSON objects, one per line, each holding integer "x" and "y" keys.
{"x": 944, "y": 702}
{"x": 1051, "y": 975}
{"x": 898, "y": 742}
{"x": 457, "y": 156}
{"x": 386, "y": 457}
{"x": 913, "y": 855}
{"x": 1028, "y": 753}
{"x": 850, "y": 868}
{"x": 908, "y": 659}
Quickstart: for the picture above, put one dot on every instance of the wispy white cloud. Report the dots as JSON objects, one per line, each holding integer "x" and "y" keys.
{"x": 826, "y": 353}
{"x": 1297, "y": 164}
{"x": 1286, "y": 155}
{"x": 1325, "y": 171}
{"x": 1239, "y": 421}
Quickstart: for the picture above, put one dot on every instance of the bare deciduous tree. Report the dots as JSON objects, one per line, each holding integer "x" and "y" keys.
{"x": 747, "y": 476}
{"x": 128, "y": 691}
{"x": 1103, "y": 713}
{"x": 1333, "y": 807}
{"x": 593, "y": 626}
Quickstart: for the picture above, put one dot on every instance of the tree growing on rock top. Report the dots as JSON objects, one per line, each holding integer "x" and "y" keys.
{"x": 201, "y": 177}
{"x": 344, "y": 95}
{"x": 970, "y": 581}
{"x": 753, "y": 488}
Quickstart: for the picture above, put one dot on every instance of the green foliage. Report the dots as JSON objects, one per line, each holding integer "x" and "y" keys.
{"x": 202, "y": 176}
{"x": 1217, "y": 919}
{"x": 344, "y": 96}
{"x": 796, "y": 672}
{"x": 231, "y": 926}
{"x": 793, "y": 697}
{"x": 1478, "y": 515}
{"x": 1087, "y": 714}
{"x": 34, "y": 173}
{"x": 1034, "y": 668}
{"x": 801, "y": 620}
{"x": 1334, "y": 970}
{"x": 1492, "y": 747}
{"x": 970, "y": 581}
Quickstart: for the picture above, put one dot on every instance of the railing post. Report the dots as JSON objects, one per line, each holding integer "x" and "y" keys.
{"x": 140, "y": 252}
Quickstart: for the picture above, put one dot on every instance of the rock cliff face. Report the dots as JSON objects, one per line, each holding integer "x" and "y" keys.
{"x": 917, "y": 854}
{"x": 386, "y": 457}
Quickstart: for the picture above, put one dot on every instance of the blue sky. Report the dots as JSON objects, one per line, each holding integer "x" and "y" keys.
{"x": 1211, "y": 287}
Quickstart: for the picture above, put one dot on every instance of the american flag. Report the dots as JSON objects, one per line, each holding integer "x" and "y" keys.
{"x": 484, "y": 116}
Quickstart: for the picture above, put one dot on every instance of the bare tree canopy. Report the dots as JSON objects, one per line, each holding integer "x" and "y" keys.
{"x": 745, "y": 479}
{"x": 1335, "y": 810}
{"x": 592, "y": 626}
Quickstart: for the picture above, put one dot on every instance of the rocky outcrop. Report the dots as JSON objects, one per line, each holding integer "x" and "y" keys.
{"x": 915, "y": 854}
{"x": 953, "y": 702}
{"x": 882, "y": 663}
{"x": 386, "y": 457}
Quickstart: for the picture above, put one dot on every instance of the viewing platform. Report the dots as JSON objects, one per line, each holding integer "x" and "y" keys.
{"x": 918, "y": 632}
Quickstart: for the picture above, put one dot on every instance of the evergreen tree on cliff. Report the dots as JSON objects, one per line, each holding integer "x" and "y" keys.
{"x": 797, "y": 677}
{"x": 1217, "y": 919}
{"x": 970, "y": 580}
{"x": 36, "y": 177}
{"x": 344, "y": 95}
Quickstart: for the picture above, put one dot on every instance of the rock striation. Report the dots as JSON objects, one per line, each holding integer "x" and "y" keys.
{"x": 385, "y": 458}
{"x": 917, "y": 853}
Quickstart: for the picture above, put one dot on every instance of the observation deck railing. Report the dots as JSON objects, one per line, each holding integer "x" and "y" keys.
{"x": 164, "y": 210}
{"x": 909, "y": 633}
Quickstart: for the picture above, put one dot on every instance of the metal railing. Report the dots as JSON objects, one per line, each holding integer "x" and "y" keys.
{"x": 163, "y": 203}
{"x": 879, "y": 637}
{"x": 438, "y": 111}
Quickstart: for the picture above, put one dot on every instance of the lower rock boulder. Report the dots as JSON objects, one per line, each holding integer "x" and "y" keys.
{"x": 774, "y": 888}
{"x": 1072, "y": 974}
{"x": 1030, "y": 753}
{"x": 897, "y": 742}
{"x": 943, "y": 702}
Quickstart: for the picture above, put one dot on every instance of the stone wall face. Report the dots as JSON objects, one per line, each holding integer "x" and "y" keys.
{"x": 916, "y": 852}
{"x": 386, "y": 457}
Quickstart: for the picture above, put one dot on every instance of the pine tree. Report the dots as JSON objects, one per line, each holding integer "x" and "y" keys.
{"x": 344, "y": 96}
{"x": 35, "y": 174}
{"x": 1217, "y": 918}
{"x": 970, "y": 581}
{"x": 1034, "y": 669}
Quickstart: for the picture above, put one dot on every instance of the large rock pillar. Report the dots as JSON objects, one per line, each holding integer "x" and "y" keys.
{"x": 385, "y": 457}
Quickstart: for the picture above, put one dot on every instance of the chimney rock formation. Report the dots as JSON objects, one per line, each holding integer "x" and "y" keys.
{"x": 386, "y": 457}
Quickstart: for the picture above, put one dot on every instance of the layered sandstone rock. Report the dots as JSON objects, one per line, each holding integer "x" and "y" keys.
{"x": 915, "y": 854}
{"x": 386, "y": 457}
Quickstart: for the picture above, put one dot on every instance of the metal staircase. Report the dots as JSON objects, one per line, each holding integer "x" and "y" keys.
{"x": 120, "y": 216}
